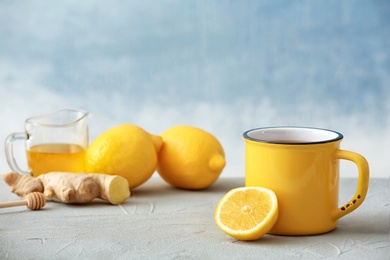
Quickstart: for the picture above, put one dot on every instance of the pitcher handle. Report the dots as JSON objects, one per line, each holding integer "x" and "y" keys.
{"x": 362, "y": 185}
{"x": 9, "y": 151}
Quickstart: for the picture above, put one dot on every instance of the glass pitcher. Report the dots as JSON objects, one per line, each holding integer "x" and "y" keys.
{"x": 53, "y": 142}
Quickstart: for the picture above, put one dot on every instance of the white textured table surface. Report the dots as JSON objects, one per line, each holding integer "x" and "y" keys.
{"x": 161, "y": 222}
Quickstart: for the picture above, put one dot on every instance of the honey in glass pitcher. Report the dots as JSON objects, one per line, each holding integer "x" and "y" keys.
{"x": 55, "y": 142}
{"x": 44, "y": 158}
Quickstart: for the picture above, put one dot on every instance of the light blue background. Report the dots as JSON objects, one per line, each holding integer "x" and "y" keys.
{"x": 224, "y": 66}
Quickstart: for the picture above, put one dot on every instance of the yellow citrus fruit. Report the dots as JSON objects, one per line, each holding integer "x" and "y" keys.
{"x": 247, "y": 213}
{"x": 190, "y": 158}
{"x": 125, "y": 150}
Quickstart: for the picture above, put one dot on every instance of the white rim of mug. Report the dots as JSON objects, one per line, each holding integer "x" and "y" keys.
{"x": 338, "y": 136}
{"x": 84, "y": 113}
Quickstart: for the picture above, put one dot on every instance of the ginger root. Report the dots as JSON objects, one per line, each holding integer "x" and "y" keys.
{"x": 71, "y": 187}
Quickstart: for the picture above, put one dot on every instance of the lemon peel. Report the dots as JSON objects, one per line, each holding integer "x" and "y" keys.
{"x": 126, "y": 150}
{"x": 190, "y": 158}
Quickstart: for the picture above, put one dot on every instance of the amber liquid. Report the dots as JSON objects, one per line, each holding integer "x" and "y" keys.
{"x": 46, "y": 158}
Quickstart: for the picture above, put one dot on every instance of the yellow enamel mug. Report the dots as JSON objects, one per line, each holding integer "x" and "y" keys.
{"x": 301, "y": 165}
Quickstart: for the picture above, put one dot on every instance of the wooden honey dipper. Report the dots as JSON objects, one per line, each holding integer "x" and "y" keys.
{"x": 33, "y": 201}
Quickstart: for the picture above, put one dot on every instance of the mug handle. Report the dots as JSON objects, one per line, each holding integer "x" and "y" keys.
{"x": 9, "y": 151}
{"x": 362, "y": 185}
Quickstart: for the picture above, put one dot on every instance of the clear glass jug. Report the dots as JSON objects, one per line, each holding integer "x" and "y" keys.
{"x": 53, "y": 142}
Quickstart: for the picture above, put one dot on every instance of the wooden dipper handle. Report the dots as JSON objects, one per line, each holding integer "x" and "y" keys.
{"x": 33, "y": 201}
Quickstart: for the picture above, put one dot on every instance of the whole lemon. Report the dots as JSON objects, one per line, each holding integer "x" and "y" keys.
{"x": 190, "y": 158}
{"x": 126, "y": 150}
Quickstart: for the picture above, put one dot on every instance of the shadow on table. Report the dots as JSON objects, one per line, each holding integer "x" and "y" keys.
{"x": 372, "y": 230}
